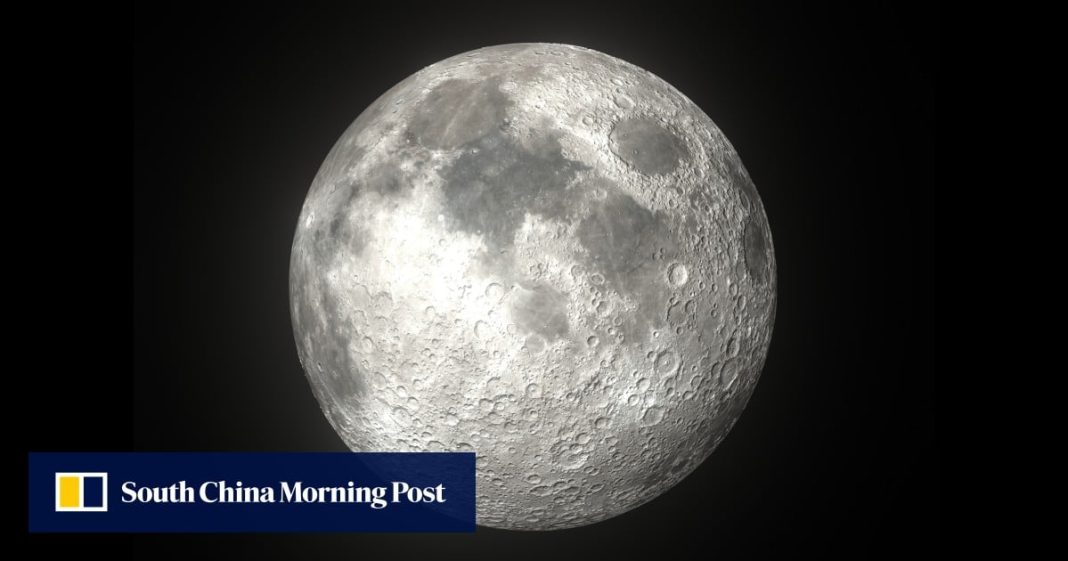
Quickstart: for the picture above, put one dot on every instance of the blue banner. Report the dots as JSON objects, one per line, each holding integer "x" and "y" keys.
{"x": 252, "y": 492}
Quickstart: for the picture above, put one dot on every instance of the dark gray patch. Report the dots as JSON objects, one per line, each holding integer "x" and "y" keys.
{"x": 756, "y": 253}
{"x": 495, "y": 182}
{"x": 710, "y": 445}
{"x": 341, "y": 235}
{"x": 541, "y": 309}
{"x": 615, "y": 233}
{"x": 456, "y": 112}
{"x": 336, "y": 371}
{"x": 647, "y": 145}
{"x": 620, "y": 236}
{"x": 341, "y": 157}
{"x": 655, "y": 479}
{"x": 335, "y": 227}
{"x": 338, "y": 231}
{"x": 326, "y": 357}
{"x": 304, "y": 318}
{"x": 623, "y": 241}
{"x": 385, "y": 179}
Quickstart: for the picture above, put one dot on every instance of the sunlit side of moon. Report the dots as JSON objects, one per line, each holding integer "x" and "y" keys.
{"x": 548, "y": 256}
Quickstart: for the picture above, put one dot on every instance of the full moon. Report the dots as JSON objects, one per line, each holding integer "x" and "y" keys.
{"x": 544, "y": 255}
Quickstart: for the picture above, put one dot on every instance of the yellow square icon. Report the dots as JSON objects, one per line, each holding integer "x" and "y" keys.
{"x": 70, "y": 492}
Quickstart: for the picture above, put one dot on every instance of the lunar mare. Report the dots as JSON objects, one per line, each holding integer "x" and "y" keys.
{"x": 545, "y": 255}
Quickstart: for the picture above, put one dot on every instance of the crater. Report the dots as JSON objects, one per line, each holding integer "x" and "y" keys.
{"x": 647, "y": 145}
{"x": 756, "y": 253}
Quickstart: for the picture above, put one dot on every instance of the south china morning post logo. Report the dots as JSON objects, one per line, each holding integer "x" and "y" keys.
{"x": 251, "y": 492}
{"x": 225, "y": 492}
{"x": 81, "y": 492}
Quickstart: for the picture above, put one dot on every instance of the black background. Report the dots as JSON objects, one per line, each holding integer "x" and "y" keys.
{"x": 832, "y": 110}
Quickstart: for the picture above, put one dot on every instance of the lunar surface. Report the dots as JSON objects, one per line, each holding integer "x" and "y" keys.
{"x": 547, "y": 256}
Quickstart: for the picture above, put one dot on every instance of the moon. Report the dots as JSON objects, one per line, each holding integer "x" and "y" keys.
{"x": 547, "y": 256}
